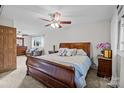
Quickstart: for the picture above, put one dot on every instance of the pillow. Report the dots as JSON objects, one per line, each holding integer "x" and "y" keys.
{"x": 81, "y": 52}
{"x": 31, "y": 50}
{"x": 71, "y": 52}
{"x": 74, "y": 52}
{"x": 62, "y": 51}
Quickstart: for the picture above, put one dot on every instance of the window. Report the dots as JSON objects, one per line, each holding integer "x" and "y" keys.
{"x": 37, "y": 41}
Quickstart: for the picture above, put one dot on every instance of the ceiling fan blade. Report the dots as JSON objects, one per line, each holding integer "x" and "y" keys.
{"x": 47, "y": 25}
{"x": 65, "y": 22}
{"x": 45, "y": 19}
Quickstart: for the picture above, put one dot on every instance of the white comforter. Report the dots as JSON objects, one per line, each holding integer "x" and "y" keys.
{"x": 81, "y": 64}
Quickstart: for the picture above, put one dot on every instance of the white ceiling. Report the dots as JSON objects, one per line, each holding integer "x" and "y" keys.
{"x": 26, "y": 18}
{"x": 70, "y": 12}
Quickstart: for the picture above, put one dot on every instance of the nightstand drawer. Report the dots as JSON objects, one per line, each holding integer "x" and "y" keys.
{"x": 104, "y": 67}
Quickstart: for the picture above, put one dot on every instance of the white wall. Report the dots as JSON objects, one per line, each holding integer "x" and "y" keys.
{"x": 90, "y": 32}
{"x": 6, "y": 22}
{"x": 122, "y": 73}
{"x": 121, "y": 60}
{"x": 114, "y": 40}
{"x": 27, "y": 41}
{"x": 29, "y": 28}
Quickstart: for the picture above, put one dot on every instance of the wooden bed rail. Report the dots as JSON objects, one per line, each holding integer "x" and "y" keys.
{"x": 50, "y": 73}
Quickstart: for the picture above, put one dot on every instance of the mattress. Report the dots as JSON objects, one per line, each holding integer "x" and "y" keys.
{"x": 81, "y": 64}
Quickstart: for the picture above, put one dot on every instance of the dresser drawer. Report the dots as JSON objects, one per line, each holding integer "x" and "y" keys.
{"x": 21, "y": 50}
{"x": 104, "y": 67}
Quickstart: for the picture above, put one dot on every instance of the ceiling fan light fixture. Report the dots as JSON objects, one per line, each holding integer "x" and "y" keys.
{"x": 55, "y": 25}
{"x": 57, "y": 17}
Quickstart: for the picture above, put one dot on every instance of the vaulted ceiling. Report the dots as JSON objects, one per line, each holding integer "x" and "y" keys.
{"x": 27, "y": 17}
{"x": 34, "y": 12}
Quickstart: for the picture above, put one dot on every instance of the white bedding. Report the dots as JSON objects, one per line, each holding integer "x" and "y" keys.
{"x": 79, "y": 62}
{"x": 63, "y": 59}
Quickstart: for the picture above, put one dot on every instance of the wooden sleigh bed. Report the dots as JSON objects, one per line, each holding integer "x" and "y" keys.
{"x": 53, "y": 74}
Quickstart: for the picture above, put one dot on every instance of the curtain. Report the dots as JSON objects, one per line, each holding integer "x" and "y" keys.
{"x": 121, "y": 38}
{"x": 114, "y": 44}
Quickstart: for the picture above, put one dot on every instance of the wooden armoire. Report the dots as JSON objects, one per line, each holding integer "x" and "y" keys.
{"x": 7, "y": 48}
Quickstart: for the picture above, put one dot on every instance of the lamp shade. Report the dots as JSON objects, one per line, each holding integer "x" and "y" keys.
{"x": 107, "y": 53}
{"x": 53, "y": 26}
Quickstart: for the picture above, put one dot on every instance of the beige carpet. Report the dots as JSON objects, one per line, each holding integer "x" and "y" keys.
{"x": 18, "y": 78}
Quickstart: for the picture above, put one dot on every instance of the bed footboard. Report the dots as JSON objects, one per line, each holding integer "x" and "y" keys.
{"x": 51, "y": 74}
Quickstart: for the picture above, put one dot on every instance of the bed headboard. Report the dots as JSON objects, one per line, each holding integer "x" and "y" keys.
{"x": 79, "y": 45}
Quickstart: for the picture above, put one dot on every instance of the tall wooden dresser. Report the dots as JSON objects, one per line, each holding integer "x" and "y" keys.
{"x": 7, "y": 48}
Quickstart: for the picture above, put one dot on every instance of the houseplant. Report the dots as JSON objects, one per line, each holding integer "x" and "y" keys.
{"x": 105, "y": 48}
{"x": 103, "y": 45}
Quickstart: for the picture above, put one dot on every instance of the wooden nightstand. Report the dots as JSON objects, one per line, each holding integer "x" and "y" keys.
{"x": 104, "y": 67}
{"x": 51, "y": 52}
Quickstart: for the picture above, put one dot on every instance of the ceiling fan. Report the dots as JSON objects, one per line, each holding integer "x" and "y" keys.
{"x": 55, "y": 21}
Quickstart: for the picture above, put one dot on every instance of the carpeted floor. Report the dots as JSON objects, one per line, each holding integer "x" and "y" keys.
{"x": 18, "y": 78}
